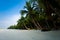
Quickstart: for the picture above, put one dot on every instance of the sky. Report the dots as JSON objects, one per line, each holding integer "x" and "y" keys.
{"x": 10, "y": 12}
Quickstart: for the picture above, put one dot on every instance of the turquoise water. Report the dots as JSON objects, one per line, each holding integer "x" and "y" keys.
{"x": 28, "y": 35}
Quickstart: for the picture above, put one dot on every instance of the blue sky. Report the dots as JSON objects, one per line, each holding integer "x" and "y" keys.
{"x": 9, "y": 12}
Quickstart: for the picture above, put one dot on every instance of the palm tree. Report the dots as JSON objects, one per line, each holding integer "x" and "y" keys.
{"x": 22, "y": 22}
{"x": 30, "y": 12}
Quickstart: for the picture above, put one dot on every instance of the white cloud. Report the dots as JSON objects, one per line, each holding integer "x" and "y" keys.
{"x": 8, "y": 21}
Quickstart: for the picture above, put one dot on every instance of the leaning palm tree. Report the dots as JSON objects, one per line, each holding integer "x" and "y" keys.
{"x": 50, "y": 7}
{"x": 30, "y": 12}
{"x": 41, "y": 8}
{"x": 22, "y": 22}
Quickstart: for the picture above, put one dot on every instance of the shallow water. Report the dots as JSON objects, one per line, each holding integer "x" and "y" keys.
{"x": 6, "y": 34}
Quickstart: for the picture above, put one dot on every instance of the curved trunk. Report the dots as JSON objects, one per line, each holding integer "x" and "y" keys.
{"x": 39, "y": 25}
{"x": 35, "y": 23}
{"x": 25, "y": 26}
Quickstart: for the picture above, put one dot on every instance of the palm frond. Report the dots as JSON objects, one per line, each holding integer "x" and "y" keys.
{"x": 23, "y": 12}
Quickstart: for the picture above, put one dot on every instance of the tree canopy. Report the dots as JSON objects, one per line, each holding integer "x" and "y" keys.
{"x": 40, "y": 14}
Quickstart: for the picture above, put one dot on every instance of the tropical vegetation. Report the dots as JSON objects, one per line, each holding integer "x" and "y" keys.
{"x": 39, "y": 14}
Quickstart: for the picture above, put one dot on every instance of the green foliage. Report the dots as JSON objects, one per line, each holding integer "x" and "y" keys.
{"x": 40, "y": 14}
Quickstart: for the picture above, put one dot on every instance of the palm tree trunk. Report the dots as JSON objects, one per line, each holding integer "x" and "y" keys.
{"x": 39, "y": 25}
{"x": 47, "y": 23}
{"x": 25, "y": 26}
{"x": 35, "y": 23}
